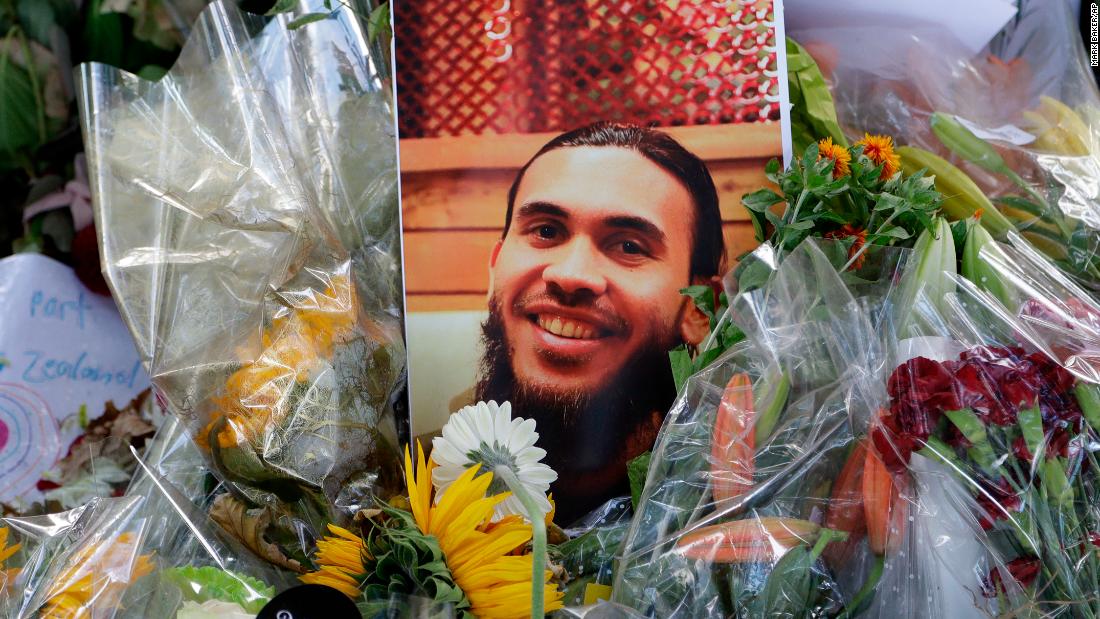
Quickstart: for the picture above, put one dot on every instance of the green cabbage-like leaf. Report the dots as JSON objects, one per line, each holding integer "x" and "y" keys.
{"x": 200, "y": 584}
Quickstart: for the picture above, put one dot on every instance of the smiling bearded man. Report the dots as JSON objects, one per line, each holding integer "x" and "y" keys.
{"x": 605, "y": 225}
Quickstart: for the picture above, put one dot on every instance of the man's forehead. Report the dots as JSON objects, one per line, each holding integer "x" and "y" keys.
{"x": 604, "y": 181}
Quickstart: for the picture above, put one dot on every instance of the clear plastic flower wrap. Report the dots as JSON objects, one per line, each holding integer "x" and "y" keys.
{"x": 996, "y": 398}
{"x": 748, "y": 502}
{"x": 934, "y": 456}
{"x": 152, "y": 552}
{"x": 247, "y": 211}
{"x": 1013, "y": 131}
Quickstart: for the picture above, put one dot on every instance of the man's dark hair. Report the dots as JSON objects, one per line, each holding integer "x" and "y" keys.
{"x": 708, "y": 247}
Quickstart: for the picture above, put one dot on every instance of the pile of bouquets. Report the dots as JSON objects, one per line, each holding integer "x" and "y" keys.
{"x": 913, "y": 440}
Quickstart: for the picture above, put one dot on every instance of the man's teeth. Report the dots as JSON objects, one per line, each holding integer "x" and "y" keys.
{"x": 566, "y": 328}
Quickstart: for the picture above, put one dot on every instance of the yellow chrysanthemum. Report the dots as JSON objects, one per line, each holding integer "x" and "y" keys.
{"x": 476, "y": 549}
{"x": 880, "y": 150}
{"x": 294, "y": 342}
{"x": 842, "y": 159}
{"x": 340, "y": 559}
{"x": 96, "y": 577}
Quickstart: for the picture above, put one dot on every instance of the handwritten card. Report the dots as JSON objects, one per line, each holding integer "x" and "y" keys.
{"x": 62, "y": 347}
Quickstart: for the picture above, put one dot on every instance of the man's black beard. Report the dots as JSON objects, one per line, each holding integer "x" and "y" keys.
{"x": 585, "y": 435}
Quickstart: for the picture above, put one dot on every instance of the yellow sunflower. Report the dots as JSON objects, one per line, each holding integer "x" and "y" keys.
{"x": 96, "y": 576}
{"x": 6, "y": 552}
{"x": 842, "y": 159}
{"x": 340, "y": 558}
{"x": 478, "y": 551}
{"x": 880, "y": 150}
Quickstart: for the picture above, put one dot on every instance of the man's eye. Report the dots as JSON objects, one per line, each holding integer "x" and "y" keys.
{"x": 546, "y": 232}
{"x": 632, "y": 248}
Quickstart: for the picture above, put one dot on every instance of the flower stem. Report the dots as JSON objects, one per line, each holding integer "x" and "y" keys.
{"x": 868, "y": 588}
{"x": 538, "y": 529}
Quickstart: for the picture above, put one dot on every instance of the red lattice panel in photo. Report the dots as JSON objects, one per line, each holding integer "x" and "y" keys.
{"x": 500, "y": 66}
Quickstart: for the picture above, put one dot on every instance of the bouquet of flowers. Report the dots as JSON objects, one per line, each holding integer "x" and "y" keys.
{"x": 254, "y": 258}
{"x": 1010, "y": 132}
{"x": 736, "y": 517}
{"x": 148, "y": 553}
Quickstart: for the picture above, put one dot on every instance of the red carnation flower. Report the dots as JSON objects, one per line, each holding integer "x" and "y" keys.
{"x": 993, "y": 504}
{"x": 1024, "y": 570}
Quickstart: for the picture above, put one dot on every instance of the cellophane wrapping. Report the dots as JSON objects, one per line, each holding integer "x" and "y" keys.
{"x": 1021, "y": 119}
{"x": 152, "y": 552}
{"x": 934, "y": 455}
{"x": 247, "y": 211}
{"x": 733, "y": 519}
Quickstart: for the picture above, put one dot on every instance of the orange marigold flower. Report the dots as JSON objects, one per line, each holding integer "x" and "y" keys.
{"x": 859, "y": 239}
{"x": 840, "y": 156}
{"x": 880, "y": 150}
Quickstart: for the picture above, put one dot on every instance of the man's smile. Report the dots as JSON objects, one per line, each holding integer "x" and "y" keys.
{"x": 564, "y": 327}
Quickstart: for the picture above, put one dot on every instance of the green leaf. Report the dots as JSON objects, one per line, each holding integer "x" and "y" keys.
{"x": 636, "y": 471}
{"x": 771, "y": 402}
{"x": 152, "y": 72}
{"x": 282, "y": 6}
{"x": 18, "y": 110}
{"x": 761, "y": 200}
{"x": 680, "y": 359}
{"x": 37, "y": 19}
{"x": 103, "y": 36}
{"x": 200, "y": 584}
{"x": 702, "y": 297}
{"x": 772, "y": 167}
{"x": 754, "y": 275}
{"x": 705, "y": 358}
{"x": 379, "y": 22}
{"x": 1031, "y": 426}
{"x": 895, "y": 232}
{"x": 308, "y": 18}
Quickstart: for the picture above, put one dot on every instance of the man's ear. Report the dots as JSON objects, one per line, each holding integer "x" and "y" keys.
{"x": 694, "y": 324}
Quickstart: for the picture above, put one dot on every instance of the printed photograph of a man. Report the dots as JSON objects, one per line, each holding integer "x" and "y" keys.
{"x": 604, "y": 226}
{"x": 566, "y": 169}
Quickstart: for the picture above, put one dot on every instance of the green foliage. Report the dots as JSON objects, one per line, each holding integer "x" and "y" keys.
{"x": 889, "y": 212}
{"x": 308, "y": 18}
{"x": 723, "y": 334}
{"x": 408, "y": 562}
{"x": 200, "y": 584}
{"x": 378, "y": 24}
{"x": 18, "y": 114}
{"x": 813, "y": 114}
{"x": 636, "y": 471}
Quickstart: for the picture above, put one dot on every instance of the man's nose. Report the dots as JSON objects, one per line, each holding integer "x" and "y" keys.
{"x": 576, "y": 267}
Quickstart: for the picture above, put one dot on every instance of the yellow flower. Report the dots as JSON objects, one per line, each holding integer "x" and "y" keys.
{"x": 880, "y": 150}
{"x": 840, "y": 156}
{"x": 6, "y": 551}
{"x": 478, "y": 551}
{"x": 340, "y": 559}
{"x": 7, "y": 576}
{"x": 95, "y": 578}
{"x": 296, "y": 339}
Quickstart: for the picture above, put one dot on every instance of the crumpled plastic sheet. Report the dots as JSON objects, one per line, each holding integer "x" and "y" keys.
{"x": 246, "y": 205}
{"x": 113, "y": 557}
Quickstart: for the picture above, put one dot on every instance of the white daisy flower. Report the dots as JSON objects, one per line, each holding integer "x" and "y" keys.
{"x": 486, "y": 434}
